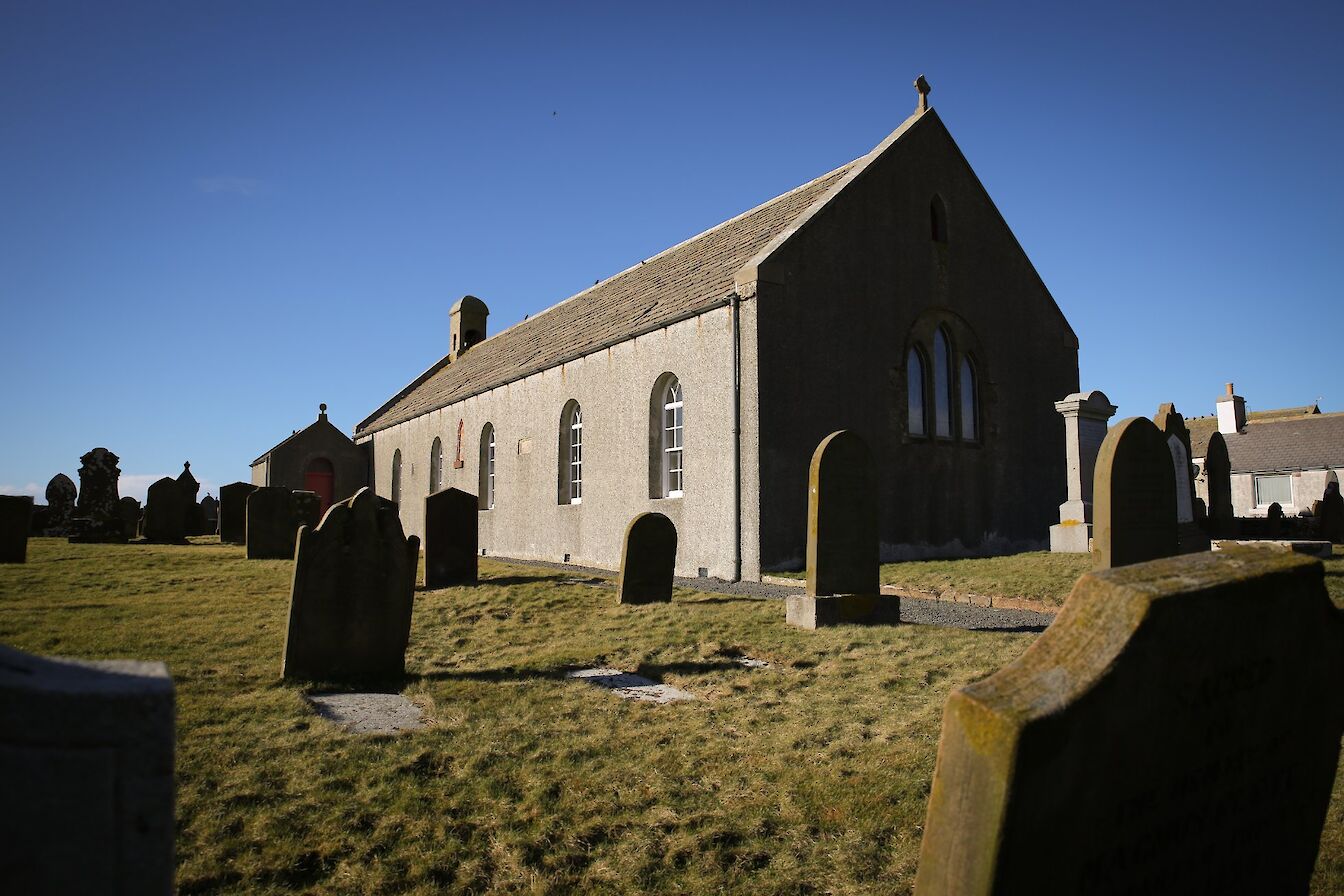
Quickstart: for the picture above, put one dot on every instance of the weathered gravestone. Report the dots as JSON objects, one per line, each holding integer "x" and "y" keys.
{"x": 233, "y": 512}
{"x": 129, "y": 511}
{"x": 1218, "y": 475}
{"x": 60, "y": 495}
{"x": 193, "y": 519}
{"x": 1274, "y": 520}
{"x": 450, "y": 538}
{"x": 1330, "y": 514}
{"x": 1134, "y": 495}
{"x": 210, "y": 515}
{"x": 842, "y": 540}
{"x": 648, "y": 560}
{"x": 274, "y": 515}
{"x": 1085, "y": 415}
{"x": 97, "y": 518}
{"x": 1190, "y": 536}
{"x": 165, "y": 514}
{"x": 39, "y": 520}
{"x": 354, "y": 585}
{"x": 1147, "y": 765}
{"x": 86, "y": 756}
{"x": 16, "y": 513}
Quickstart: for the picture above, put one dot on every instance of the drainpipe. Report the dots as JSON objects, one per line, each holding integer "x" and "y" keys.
{"x": 735, "y": 302}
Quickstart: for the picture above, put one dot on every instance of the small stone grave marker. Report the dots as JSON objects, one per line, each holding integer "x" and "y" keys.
{"x": 165, "y": 513}
{"x": 451, "y": 538}
{"x": 1144, "y": 763}
{"x": 1135, "y": 496}
{"x": 368, "y": 713}
{"x": 648, "y": 560}
{"x": 233, "y": 512}
{"x": 631, "y": 686}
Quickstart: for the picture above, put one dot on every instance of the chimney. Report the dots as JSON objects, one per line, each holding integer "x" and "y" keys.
{"x": 466, "y": 325}
{"x": 1231, "y": 413}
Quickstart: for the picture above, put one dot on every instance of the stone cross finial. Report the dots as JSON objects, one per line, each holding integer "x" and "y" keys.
{"x": 924, "y": 89}
{"x": 322, "y": 411}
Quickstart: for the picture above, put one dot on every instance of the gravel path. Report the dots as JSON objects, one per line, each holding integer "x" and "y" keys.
{"x": 942, "y": 613}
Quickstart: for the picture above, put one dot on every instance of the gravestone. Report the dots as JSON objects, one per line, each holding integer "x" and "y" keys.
{"x": 193, "y": 520}
{"x": 1218, "y": 475}
{"x": 97, "y": 519}
{"x": 1145, "y": 765}
{"x": 165, "y": 513}
{"x": 450, "y": 538}
{"x": 1274, "y": 520}
{"x": 1085, "y": 415}
{"x": 648, "y": 560}
{"x": 233, "y": 512}
{"x": 16, "y": 512}
{"x": 1190, "y": 536}
{"x": 842, "y": 540}
{"x": 210, "y": 514}
{"x": 60, "y": 494}
{"x": 39, "y": 520}
{"x": 86, "y": 756}
{"x": 271, "y": 529}
{"x": 307, "y": 509}
{"x": 1135, "y": 495}
{"x": 1330, "y": 514}
{"x": 129, "y": 511}
{"x": 353, "y": 590}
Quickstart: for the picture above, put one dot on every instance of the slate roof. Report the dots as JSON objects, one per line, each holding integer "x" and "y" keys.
{"x": 1301, "y": 442}
{"x": 1202, "y": 428}
{"x": 687, "y": 279}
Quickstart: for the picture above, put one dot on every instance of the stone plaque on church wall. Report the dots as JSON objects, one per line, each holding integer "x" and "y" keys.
{"x": 86, "y": 765}
{"x": 1134, "y": 495}
{"x": 1139, "y": 764}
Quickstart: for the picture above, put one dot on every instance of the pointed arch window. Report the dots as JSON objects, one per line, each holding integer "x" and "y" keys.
{"x": 942, "y": 385}
{"x": 916, "y": 410}
{"x": 673, "y": 435}
{"x": 570, "y": 455}
{"x": 486, "y": 484}
{"x": 970, "y": 402}
{"x": 396, "y": 476}
{"x": 938, "y": 220}
{"x": 436, "y": 466}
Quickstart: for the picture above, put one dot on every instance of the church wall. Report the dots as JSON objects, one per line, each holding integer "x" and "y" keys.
{"x": 614, "y": 389}
{"x": 838, "y": 304}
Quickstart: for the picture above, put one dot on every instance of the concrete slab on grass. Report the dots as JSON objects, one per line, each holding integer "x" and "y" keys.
{"x": 631, "y": 686}
{"x": 368, "y": 713}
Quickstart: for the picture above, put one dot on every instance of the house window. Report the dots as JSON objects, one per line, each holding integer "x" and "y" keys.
{"x": 970, "y": 404}
{"x": 396, "y": 476}
{"x": 938, "y": 220}
{"x": 486, "y": 484}
{"x": 942, "y": 385}
{"x": 672, "y": 439}
{"x": 570, "y": 455}
{"x": 1273, "y": 489}
{"x": 436, "y": 466}
{"x": 917, "y": 423}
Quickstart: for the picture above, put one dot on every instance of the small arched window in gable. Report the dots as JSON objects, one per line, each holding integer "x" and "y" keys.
{"x": 570, "y": 455}
{"x": 938, "y": 220}
{"x": 916, "y": 412}
{"x": 970, "y": 402}
{"x": 436, "y": 466}
{"x": 396, "y": 476}
{"x": 486, "y": 474}
{"x": 942, "y": 385}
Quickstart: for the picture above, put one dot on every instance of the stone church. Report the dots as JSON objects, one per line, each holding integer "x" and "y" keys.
{"x": 887, "y": 297}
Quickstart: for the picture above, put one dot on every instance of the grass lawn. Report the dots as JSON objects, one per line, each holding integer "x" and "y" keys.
{"x": 810, "y": 776}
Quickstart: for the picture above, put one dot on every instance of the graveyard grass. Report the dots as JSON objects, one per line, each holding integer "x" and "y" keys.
{"x": 810, "y": 776}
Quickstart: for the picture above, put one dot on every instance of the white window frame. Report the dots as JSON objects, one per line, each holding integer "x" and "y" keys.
{"x": 490, "y": 472}
{"x": 674, "y": 441}
{"x": 1255, "y": 486}
{"x": 576, "y": 455}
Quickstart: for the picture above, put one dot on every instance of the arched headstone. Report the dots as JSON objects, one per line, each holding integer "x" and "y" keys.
{"x": 1330, "y": 517}
{"x": 233, "y": 512}
{"x": 60, "y": 495}
{"x": 1218, "y": 474}
{"x": 353, "y": 590}
{"x": 1190, "y": 536}
{"x": 451, "y": 538}
{"x": 129, "y": 511}
{"x": 648, "y": 560}
{"x": 1134, "y": 496}
{"x": 165, "y": 513}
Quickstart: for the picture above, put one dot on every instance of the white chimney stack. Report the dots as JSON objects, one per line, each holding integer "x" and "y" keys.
{"x": 1231, "y": 413}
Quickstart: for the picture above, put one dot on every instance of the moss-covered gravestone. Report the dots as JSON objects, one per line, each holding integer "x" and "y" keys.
{"x": 1134, "y": 496}
{"x": 60, "y": 494}
{"x": 354, "y": 585}
{"x": 86, "y": 757}
{"x": 165, "y": 513}
{"x": 97, "y": 519}
{"x": 16, "y": 512}
{"x": 451, "y": 538}
{"x": 274, "y": 515}
{"x": 1218, "y": 475}
{"x": 1175, "y": 730}
{"x": 648, "y": 560}
{"x": 233, "y": 512}
{"x": 842, "y": 540}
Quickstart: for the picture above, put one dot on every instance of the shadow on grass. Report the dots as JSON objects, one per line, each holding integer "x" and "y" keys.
{"x": 493, "y": 676}
{"x": 521, "y": 580}
{"x": 656, "y": 671}
{"x": 725, "y": 599}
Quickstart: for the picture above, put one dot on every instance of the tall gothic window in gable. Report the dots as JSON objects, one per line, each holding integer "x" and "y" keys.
{"x": 917, "y": 419}
{"x": 436, "y": 466}
{"x": 486, "y": 474}
{"x": 970, "y": 402}
{"x": 570, "y": 455}
{"x": 938, "y": 220}
{"x": 942, "y": 385}
{"x": 396, "y": 476}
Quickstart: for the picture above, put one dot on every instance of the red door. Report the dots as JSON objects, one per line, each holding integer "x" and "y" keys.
{"x": 321, "y": 478}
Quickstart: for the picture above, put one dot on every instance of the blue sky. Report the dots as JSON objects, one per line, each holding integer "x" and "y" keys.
{"x": 215, "y": 216}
